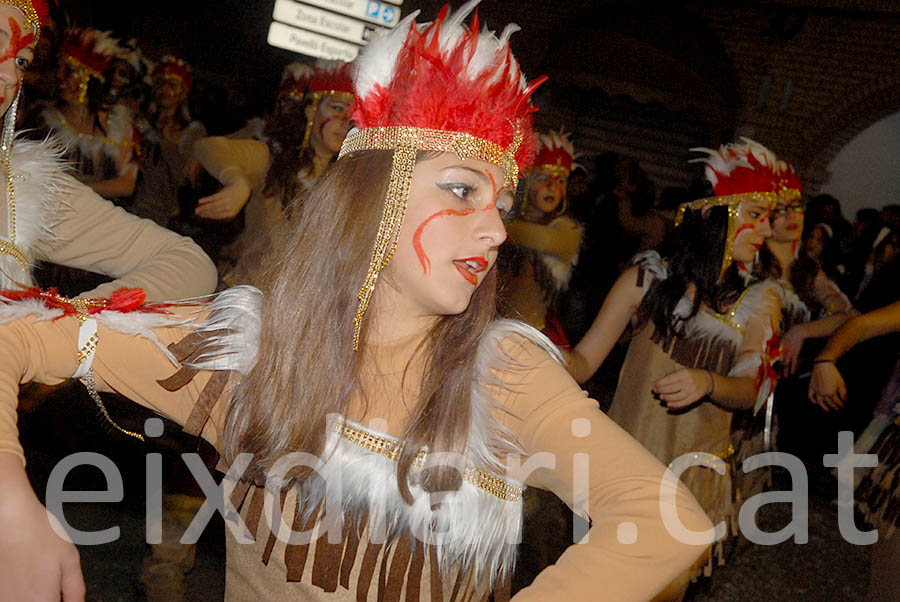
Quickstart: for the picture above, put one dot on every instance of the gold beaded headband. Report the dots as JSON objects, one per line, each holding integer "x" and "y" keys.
{"x": 733, "y": 202}
{"x": 31, "y": 16}
{"x": 556, "y": 170}
{"x": 406, "y": 141}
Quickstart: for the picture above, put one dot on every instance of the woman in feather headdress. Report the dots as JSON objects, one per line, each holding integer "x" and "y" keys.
{"x": 701, "y": 333}
{"x": 544, "y": 241}
{"x": 367, "y": 404}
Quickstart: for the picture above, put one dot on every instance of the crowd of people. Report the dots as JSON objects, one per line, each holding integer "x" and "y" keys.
{"x": 412, "y": 287}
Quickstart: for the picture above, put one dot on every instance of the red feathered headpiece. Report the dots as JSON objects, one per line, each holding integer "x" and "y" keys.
{"x": 174, "y": 68}
{"x": 294, "y": 80}
{"x": 88, "y": 50}
{"x": 555, "y": 151}
{"x": 747, "y": 166}
{"x": 743, "y": 171}
{"x": 443, "y": 87}
{"x": 331, "y": 76}
{"x": 446, "y": 76}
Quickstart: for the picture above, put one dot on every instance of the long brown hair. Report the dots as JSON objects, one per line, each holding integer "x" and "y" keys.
{"x": 306, "y": 367}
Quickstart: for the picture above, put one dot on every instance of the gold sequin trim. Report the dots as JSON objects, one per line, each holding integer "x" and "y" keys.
{"x": 8, "y": 248}
{"x": 390, "y": 449}
{"x": 31, "y": 16}
{"x": 729, "y": 317}
{"x": 463, "y": 144}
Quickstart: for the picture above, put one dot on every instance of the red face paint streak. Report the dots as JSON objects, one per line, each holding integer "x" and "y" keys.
{"x": 325, "y": 122}
{"x": 794, "y": 246}
{"x": 16, "y": 41}
{"x": 744, "y": 227}
{"x": 417, "y": 236}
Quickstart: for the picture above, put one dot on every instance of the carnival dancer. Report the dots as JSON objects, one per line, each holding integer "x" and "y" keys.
{"x": 700, "y": 334}
{"x": 877, "y": 496}
{"x": 375, "y": 350}
{"x": 50, "y": 216}
{"x": 301, "y": 140}
{"x": 167, "y": 160}
{"x": 545, "y": 241}
{"x": 103, "y": 147}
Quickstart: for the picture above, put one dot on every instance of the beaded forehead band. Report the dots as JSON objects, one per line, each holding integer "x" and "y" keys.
{"x": 406, "y": 142}
{"x": 733, "y": 202}
{"x": 31, "y": 15}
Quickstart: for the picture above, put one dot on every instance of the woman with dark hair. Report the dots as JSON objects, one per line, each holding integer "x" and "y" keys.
{"x": 368, "y": 403}
{"x": 272, "y": 175}
{"x": 102, "y": 146}
{"x": 784, "y": 258}
{"x": 700, "y": 333}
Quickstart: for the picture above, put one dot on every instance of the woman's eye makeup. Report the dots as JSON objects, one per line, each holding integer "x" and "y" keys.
{"x": 458, "y": 189}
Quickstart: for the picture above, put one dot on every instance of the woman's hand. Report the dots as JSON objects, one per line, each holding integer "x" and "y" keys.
{"x": 683, "y": 387}
{"x": 791, "y": 344}
{"x": 36, "y": 564}
{"x": 226, "y": 203}
{"x": 826, "y": 387}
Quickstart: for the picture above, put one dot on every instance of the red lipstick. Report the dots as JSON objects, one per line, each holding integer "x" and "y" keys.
{"x": 470, "y": 267}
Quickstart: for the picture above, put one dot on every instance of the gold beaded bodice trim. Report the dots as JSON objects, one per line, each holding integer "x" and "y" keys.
{"x": 390, "y": 449}
{"x": 728, "y": 318}
{"x": 9, "y": 247}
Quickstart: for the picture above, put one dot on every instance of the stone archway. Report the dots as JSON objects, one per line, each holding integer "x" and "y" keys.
{"x": 841, "y": 123}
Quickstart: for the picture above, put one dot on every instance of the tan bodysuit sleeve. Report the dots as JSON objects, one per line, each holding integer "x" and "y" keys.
{"x": 45, "y": 351}
{"x": 628, "y": 553}
{"x": 226, "y": 158}
{"x": 93, "y": 234}
{"x": 561, "y": 238}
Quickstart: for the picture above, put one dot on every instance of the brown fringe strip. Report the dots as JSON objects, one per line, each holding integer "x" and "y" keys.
{"x": 367, "y": 571}
{"x": 437, "y": 585}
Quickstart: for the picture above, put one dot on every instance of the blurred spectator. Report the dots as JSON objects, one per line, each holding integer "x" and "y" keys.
{"x": 820, "y": 246}
{"x": 824, "y": 208}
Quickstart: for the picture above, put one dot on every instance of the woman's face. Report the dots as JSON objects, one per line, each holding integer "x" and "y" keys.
{"x": 16, "y": 53}
{"x": 330, "y": 123}
{"x": 753, "y": 229}
{"x": 815, "y": 242}
{"x": 169, "y": 92}
{"x": 787, "y": 221}
{"x": 547, "y": 190}
{"x": 450, "y": 236}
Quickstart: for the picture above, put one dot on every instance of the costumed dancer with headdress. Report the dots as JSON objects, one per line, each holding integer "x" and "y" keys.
{"x": 375, "y": 348}
{"x": 102, "y": 146}
{"x": 50, "y": 216}
{"x": 703, "y": 341}
{"x": 301, "y": 140}
{"x": 545, "y": 241}
{"x": 878, "y": 494}
{"x": 167, "y": 160}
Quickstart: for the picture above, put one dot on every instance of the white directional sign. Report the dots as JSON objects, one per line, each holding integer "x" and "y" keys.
{"x": 309, "y": 43}
{"x": 373, "y": 11}
{"x": 324, "y": 22}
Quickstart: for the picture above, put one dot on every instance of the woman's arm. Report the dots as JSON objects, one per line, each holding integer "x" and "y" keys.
{"x": 93, "y": 234}
{"x": 617, "y": 310}
{"x": 239, "y": 164}
{"x": 32, "y": 555}
{"x": 826, "y": 387}
{"x": 114, "y": 188}
{"x": 561, "y": 238}
{"x": 635, "y": 547}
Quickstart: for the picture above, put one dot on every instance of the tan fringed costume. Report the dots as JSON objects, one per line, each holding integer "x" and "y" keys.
{"x": 523, "y": 392}
{"x": 724, "y": 344}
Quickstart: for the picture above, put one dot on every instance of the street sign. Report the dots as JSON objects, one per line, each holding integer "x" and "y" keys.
{"x": 309, "y": 43}
{"x": 373, "y": 11}
{"x": 324, "y": 22}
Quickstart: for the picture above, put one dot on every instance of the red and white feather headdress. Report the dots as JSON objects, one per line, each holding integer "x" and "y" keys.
{"x": 739, "y": 172}
{"x": 174, "y": 68}
{"x": 294, "y": 80}
{"x": 555, "y": 152}
{"x": 438, "y": 86}
{"x": 89, "y": 52}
